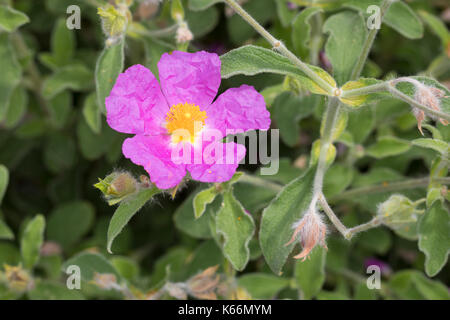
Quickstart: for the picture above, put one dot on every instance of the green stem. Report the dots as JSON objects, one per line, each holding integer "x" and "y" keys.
{"x": 259, "y": 182}
{"x": 369, "y": 42}
{"x": 390, "y": 87}
{"x": 331, "y": 115}
{"x": 332, "y": 216}
{"x": 379, "y": 87}
{"x": 375, "y": 222}
{"x": 389, "y": 187}
{"x": 280, "y": 47}
{"x": 398, "y": 94}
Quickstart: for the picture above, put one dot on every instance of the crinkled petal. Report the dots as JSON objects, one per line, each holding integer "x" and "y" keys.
{"x": 154, "y": 154}
{"x": 218, "y": 163}
{"x": 240, "y": 108}
{"x": 189, "y": 77}
{"x": 136, "y": 103}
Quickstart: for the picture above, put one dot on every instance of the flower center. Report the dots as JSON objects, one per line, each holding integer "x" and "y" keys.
{"x": 184, "y": 121}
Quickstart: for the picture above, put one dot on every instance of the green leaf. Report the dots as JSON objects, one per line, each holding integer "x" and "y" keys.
{"x": 202, "y": 22}
{"x": 10, "y": 75}
{"x": 388, "y": 146}
{"x": 284, "y": 13}
{"x": 437, "y": 26}
{"x": 361, "y": 100}
{"x": 31, "y": 242}
{"x": 11, "y": 19}
{"x": 59, "y": 153}
{"x": 202, "y": 199}
{"x": 17, "y": 108}
{"x": 91, "y": 113}
{"x": 280, "y": 215}
{"x": 360, "y": 124}
{"x": 198, "y": 5}
{"x": 262, "y": 285}
{"x": 93, "y": 146}
{"x": 4, "y": 179}
{"x": 237, "y": 227}
{"x": 399, "y": 17}
{"x": 239, "y": 30}
{"x": 185, "y": 220}
{"x": 91, "y": 263}
{"x": 109, "y": 65}
{"x": 126, "y": 210}
{"x": 127, "y": 267}
{"x": 62, "y": 46}
{"x": 434, "y": 238}
{"x": 413, "y": 285}
{"x": 9, "y": 254}
{"x": 46, "y": 290}
{"x": 343, "y": 50}
{"x": 438, "y": 145}
{"x": 68, "y": 223}
{"x": 5, "y": 232}
{"x": 301, "y": 31}
{"x": 74, "y": 77}
{"x": 60, "y": 107}
{"x": 251, "y": 60}
{"x": 310, "y": 274}
{"x": 337, "y": 179}
{"x": 287, "y": 111}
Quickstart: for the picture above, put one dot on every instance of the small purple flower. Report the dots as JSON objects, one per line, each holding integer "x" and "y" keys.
{"x": 384, "y": 267}
{"x": 291, "y": 6}
{"x": 182, "y": 100}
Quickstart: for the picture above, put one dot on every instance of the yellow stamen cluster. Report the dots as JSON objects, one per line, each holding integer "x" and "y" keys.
{"x": 185, "y": 116}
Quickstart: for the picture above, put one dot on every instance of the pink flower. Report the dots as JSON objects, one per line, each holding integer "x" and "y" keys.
{"x": 182, "y": 101}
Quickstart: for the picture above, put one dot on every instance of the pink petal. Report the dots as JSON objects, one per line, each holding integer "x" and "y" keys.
{"x": 154, "y": 154}
{"x": 217, "y": 167}
{"x": 136, "y": 103}
{"x": 189, "y": 77}
{"x": 240, "y": 108}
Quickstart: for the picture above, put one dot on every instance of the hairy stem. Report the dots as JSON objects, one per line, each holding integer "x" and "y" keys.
{"x": 389, "y": 187}
{"x": 332, "y": 216}
{"x": 326, "y": 140}
{"x": 389, "y": 86}
{"x": 369, "y": 42}
{"x": 280, "y": 47}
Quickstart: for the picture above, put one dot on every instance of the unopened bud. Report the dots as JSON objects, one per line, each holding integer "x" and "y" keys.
{"x": 17, "y": 279}
{"x": 117, "y": 186}
{"x": 398, "y": 212}
{"x": 183, "y": 34}
{"x": 114, "y": 20}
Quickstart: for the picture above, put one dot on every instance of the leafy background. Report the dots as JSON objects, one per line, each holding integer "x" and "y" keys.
{"x": 55, "y": 144}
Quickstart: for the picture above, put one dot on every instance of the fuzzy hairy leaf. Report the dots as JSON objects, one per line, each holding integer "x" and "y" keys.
{"x": 109, "y": 65}
{"x": 251, "y": 60}
{"x": 434, "y": 238}
{"x": 280, "y": 215}
{"x": 126, "y": 210}
{"x": 237, "y": 227}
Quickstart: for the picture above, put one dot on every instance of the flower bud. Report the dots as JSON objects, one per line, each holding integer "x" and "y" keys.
{"x": 17, "y": 279}
{"x": 114, "y": 20}
{"x": 183, "y": 34}
{"x": 398, "y": 212}
{"x": 117, "y": 186}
